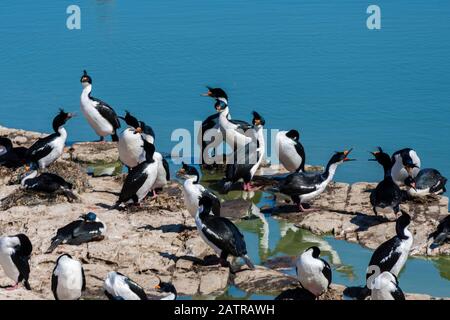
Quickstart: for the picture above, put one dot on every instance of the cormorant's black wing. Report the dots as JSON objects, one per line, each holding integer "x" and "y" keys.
{"x": 385, "y": 256}
{"x": 166, "y": 168}
{"x": 301, "y": 152}
{"x": 107, "y": 112}
{"x": 300, "y": 183}
{"x": 327, "y": 271}
{"x": 22, "y": 265}
{"x": 215, "y": 201}
{"x": 85, "y": 232}
{"x": 83, "y": 286}
{"x": 40, "y": 148}
{"x": 137, "y": 289}
{"x": 135, "y": 179}
{"x": 398, "y": 293}
{"x": 225, "y": 235}
{"x": 54, "y": 283}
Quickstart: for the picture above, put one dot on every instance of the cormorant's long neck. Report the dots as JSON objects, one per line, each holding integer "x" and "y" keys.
{"x": 32, "y": 175}
{"x": 330, "y": 171}
{"x": 387, "y": 170}
{"x": 87, "y": 91}
{"x": 402, "y": 232}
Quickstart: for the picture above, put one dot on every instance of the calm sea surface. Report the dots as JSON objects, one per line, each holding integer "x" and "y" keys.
{"x": 309, "y": 65}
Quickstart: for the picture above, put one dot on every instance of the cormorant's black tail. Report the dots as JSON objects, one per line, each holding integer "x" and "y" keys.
{"x": 359, "y": 293}
{"x": 440, "y": 239}
{"x": 70, "y": 195}
{"x": 114, "y": 137}
{"x": 55, "y": 242}
{"x": 248, "y": 262}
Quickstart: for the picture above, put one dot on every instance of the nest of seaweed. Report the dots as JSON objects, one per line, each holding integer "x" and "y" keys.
{"x": 71, "y": 172}
{"x": 169, "y": 199}
{"x": 23, "y": 197}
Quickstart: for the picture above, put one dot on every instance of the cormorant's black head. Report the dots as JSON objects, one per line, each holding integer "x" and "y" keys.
{"x": 258, "y": 120}
{"x": 340, "y": 157}
{"x": 382, "y": 157}
{"x": 315, "y": 251}
{"x": 293, "y": 134}
{"x": 85, "y": 79}
{"x": 402, "y": 222}
{"x": 90, "y": 216}
{"x": 410, "y": 182}
{"x": 187, "y": 171}
{"x": 215, "y": 93}
{"x": 166, "y": 287}
{"x": 132, "y": 122}
{"x": 61, "y": 118}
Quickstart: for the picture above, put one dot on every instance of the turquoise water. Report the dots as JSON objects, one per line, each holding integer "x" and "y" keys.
{"x": 308, "y": 65}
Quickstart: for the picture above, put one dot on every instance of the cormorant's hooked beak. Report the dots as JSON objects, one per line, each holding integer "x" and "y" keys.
{"x": 71, "y": 115}
{"x": 346, "y": 153}
{"x": 157, "y": 287}
{"x": 138, "y": 130}
{"x": 207, "y": 94}
{"x": 27, "y": 168}
{"x": 374, "y": 153}
{"x": 413, "y": 185}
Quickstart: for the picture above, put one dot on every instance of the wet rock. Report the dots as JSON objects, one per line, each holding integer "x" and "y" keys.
{"x": 235, "y": 209}
{"x": 94, "y": 152}
{"x": 263, "y": 280}
{"x": 345, "y": 212}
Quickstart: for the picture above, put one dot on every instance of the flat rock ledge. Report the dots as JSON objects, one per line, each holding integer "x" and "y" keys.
{"x": 345, "y": 211}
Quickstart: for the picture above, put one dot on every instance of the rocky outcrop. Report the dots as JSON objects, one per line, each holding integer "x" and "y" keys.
{"x": 94, "y": 152}
{"x": 344, "y": 210}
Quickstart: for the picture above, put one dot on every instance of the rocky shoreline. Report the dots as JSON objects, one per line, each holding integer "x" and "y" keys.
{"x": 159, "y": 239}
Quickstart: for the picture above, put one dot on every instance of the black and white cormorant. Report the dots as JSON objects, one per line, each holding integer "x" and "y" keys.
{"x": 387, "y": 196}
{"x": 119, "y": 287}
{"x": 168, "y": 289}
{"x": 428, "y": 181}
{"x": 406, "y": 163}
{"x": 140, "y": 179}
{"x": 87, "y": 228}
{"x": 211, "y": 126}
{"x": 220, "y": 234}
{"x": 131, "y": 151}
{"x": 385, "y": 287}
{"x": 313, "y": 272}
{"x": 442, "y": 233}
{"x": 392, "y": 255}
{"x": 68, "y": 280}
{"x": 101, "y": 117}
{"x": 305, "y": 186}
{"x": 193, "y": 191}
{"x": 11, "y": 157}
{"x": 48, "y": 183}
{"x": 15, "y": 253}
{"x": 290, "y": 151}
{"x": 47, "y": 150}
{"x": 247, "y": 159}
